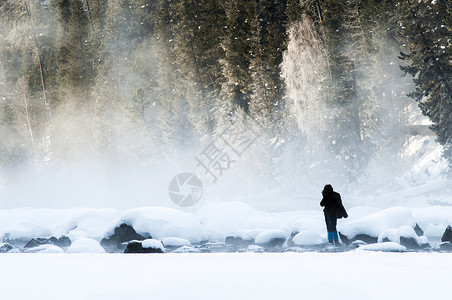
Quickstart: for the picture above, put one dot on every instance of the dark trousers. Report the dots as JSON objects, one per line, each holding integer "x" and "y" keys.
{"x": 331, "y": 222}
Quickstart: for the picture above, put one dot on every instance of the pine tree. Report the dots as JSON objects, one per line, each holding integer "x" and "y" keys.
{"x": 425, "y": 31}
{"x": 268, "y": 41}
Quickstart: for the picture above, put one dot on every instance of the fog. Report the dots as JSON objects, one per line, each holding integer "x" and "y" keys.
{"x": 101, "y": 149}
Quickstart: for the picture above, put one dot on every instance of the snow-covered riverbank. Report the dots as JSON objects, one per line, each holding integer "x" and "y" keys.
{"x": 352, "y": 275}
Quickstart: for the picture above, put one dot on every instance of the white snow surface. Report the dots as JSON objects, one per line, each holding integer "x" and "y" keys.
{"x": 175, "y": 242}
{"x": 48, "y": 248}
{"x": 384, "y": 247}
{"x": 152, "y": 243}
{"x": 378, "y": 222}
{"x": 216, "y": 221}
{"x": 394, "y": 235}
{"x": 85, "y": 245}
{"x": 161, "y": 222}
{"x": 360, "y": 275}
{"x": 307, "y": 238}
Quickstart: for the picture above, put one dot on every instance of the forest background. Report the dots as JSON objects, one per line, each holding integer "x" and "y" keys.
{"x": 329, "y": 86}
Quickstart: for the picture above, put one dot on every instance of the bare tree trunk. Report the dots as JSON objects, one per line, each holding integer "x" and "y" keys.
{"x": 43, "y": 79}
{"x": 27, "y": 114}
{"x": 89, "y": 14}
{"x": 48, "y": 127}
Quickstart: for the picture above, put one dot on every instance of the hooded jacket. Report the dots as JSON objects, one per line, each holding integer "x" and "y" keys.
{"x": 332, "y": 203}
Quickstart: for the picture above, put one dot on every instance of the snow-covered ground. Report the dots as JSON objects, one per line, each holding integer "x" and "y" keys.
{"x": 352, "y": 275}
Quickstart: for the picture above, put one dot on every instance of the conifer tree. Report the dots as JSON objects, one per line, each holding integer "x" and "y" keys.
{"x": 425, "y": 29}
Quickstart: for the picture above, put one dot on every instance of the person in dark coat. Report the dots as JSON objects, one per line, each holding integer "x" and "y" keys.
{"x": 333, "y": 210}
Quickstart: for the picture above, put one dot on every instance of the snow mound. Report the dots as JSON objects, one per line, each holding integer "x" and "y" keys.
{"x": 175, "y": 242}
{"x": 375, "y": 224}
{"x": 255, "y": 249}
{"x": 225, "y": 219}
{"x": 187, "y": 249}
{"x": 24, "y": 230}
{"x": 433, "y": 220}
{"x": 309, "y": 224}
{"x": 266, "y": 236}
{"x": 394, "y": 234}
{"x": 48, "y": 248}
{"x": 85, "y": 245}
{"x": 152, "y": 243}
{"x": 160, "y": 223}
{"x": 307, "y": 238}
{"x": 384, "y": 247}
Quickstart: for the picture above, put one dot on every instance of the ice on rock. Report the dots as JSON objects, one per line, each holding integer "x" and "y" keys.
{"x": 85, "y": 245}
{"x": 152, "y": 243}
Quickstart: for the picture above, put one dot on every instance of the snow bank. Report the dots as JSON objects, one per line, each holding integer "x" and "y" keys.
{"x": 433, "y": 220}
{"x": 374, "y": 224}
{"x": 24, "y": 230}
{"x": 175, "y": 242}
{"x": 225, "y": 219}
{"x": 85, "y": 245}
{"x": 161, "y": 222}
{"x": 307, "y": 238}
{"x": 384, "y": 247}
{"x": 309, "y": 224}
{"x": 267, "y": 236}
{"x": 48, "y": 248}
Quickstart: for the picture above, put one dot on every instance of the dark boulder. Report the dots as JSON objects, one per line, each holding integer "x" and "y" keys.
{"x": 359, "y": 237}
{"x": 443, "y": 247}
{"x": 62, "y": 242}
{"x": 290, "y": 242}
{"x": 418, "y": 230}
{"x": 447, "y": 236}
{"x": 137, "y": 247}
{"x": 274, "y": 243}
{"x": 237, "y": 241}
{"x": 356, "y": 244}
{"x": 5, "y": 248}
{"x": 37, "y": 242}
{"x": 123, "y": 233}
{"x": 411, "y": 243}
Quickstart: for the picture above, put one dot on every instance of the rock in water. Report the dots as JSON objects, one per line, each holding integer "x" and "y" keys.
{"x": 447, "y": 236}
{"x": 146, "y": 246}
{"x": 62, "y": 242}
{"x": 37, "y": 242}
{"x": 411, "y": 243}
{"x": 443, "y": 247}
{"x": 418, "y": 230}
{"x": 237, "y": 241}
{"x": 123, "y": 233}
{"x": 359, "y": 237}
{"x": 5, "y": 248}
